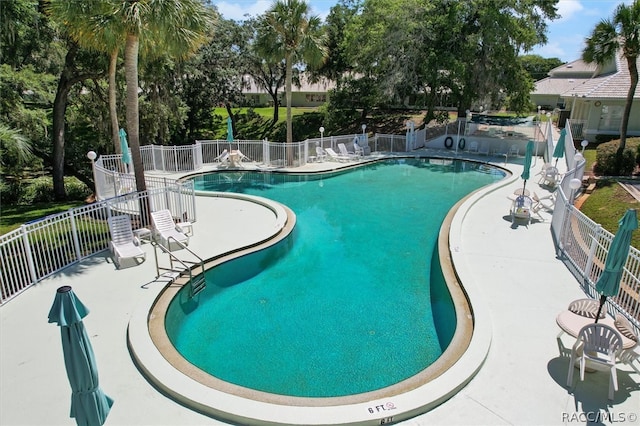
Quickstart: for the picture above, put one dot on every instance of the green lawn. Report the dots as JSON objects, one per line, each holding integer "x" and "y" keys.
{"x": 607, "y": 204}
{"x": 265, "y": 112}
{"x": 12, "y": 216}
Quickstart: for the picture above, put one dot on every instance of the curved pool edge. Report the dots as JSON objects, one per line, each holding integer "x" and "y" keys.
{"x": 423, "y": 398}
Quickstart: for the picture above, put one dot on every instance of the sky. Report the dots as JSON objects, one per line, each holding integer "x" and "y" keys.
{"x": 565, "y": 35}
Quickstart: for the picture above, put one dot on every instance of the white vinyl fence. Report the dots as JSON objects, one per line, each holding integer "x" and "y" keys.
{"x": 583, "y": 244}
{"x": 43, "y": 247}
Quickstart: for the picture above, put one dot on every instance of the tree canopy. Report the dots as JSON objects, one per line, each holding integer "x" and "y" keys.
{"x": 379, "y": 53}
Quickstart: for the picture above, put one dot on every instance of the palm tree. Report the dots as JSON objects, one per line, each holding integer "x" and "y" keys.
{"x": 607, "y": 39}
{"x": 297, "y": 38}
{"x": 177, "y": 27}
{"x": 92, "y": 26}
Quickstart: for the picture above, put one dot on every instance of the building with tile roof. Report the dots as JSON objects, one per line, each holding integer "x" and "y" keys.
{"x": 591, "y": 96}
{"x": 307, "y": 94}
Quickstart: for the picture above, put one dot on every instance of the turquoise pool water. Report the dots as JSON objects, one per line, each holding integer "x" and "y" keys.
{"x": 352, "y": 301}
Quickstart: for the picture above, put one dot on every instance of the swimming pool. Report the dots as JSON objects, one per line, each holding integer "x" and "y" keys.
{"x": 355, "y": 283}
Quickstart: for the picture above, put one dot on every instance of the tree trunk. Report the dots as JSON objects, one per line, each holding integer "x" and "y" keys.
{"x": 289, "y": 77}
{"x": 59, "y": 109}
{"x": 276, "y": 107}
{"x": 227, "y": 106}
{"x": 624, "y": 124}
{"x": 133, "y": 124}
{"x": 113, "y": 110}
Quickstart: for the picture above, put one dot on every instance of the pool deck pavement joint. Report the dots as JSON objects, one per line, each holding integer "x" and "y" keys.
{"x": 512, "y": 271}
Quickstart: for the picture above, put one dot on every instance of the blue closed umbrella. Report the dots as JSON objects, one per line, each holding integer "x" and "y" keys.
{"x": 126, "y": 158}
{"x": 608, "y": 284}
{"x": 558, "y": 152}
{"x": 89, "y": 404}
{"x": 528, "y": 155}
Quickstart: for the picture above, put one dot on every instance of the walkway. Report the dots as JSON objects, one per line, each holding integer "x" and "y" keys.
{"x": 516, "y": 283}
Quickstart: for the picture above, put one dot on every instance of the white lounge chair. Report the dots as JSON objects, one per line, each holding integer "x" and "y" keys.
{"x": 124, "y": 246}
{"x": 223, "y": 158}
{"x": 236, "y": 157}
{"x": 345, "y": 153}
{"x": 545, "y": 205}
{"x": 321, "y": 155}
{"x": 598, "y": 344}
{"x": 170, "y": 235}
{"x": 484, "y": 148}
{"x": 359, "y": 151}
{"x": 335, "y": 156}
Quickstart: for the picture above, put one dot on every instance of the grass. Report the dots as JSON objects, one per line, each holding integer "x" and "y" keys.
{"x": 590, "y": 156}
{"x": 265, "y": 112}
{"x": 13, "y": 216}
{"x": 607, "y": 204}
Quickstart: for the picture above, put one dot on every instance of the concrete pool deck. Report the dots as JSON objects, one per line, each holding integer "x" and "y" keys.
{"x": 515, "y": 281}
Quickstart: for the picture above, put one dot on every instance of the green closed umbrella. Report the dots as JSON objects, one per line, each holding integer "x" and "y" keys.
{"x": 229, "y": 130}
{"x": 126, "y": 158}
{"x": 89, "y": 404}
{"x": 608, "y": 284}
{"x": 528, "y": 156}
{"x": 558, "y": 152}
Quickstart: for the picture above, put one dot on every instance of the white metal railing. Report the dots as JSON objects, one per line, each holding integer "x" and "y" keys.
{"x": 577, "y": 128}
{"x": 40, "y": 248}
{"x": 584, "y": 244}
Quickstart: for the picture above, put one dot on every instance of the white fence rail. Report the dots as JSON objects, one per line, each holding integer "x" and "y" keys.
{"x": 583, "y": 244}
{"x": 43, "y": 247}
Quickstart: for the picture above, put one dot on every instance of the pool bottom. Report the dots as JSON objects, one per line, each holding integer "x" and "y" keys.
{"x": 161, "y": 363}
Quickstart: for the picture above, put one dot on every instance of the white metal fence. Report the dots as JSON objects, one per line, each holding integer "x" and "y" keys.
{"x": 43, "y": 247}
{"x": 583, "y": 244}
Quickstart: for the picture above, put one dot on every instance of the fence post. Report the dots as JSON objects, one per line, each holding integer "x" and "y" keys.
{"x": 27, "y": 250}
{"x": 74, "y": 234}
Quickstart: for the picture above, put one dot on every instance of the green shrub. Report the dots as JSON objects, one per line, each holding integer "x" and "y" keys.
{"x": 9, "y": 191}
{"x": 606, "y": 138}
{"x": 75, "y": 189}
{"x": 606, "y": 158}
{"x": 40, "y": 190}
{"x": 36, "y": 191}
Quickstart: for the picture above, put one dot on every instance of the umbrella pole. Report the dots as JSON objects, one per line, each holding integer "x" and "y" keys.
{"x": 603, "y": 299}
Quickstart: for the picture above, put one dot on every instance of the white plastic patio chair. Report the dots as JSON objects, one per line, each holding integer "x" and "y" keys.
{"x": 169, "y": 234}
{"x": 598, "y": 344}
{"x": 521, "y": 208}
{"x": 473, "y": 147}
{"x": 124, "y": 246}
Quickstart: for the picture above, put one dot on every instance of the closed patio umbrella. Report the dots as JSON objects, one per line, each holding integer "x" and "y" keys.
{"x": 89, "y": 405}
{"x": 608, "y": 284}
{"x": 229, "y": 130}
{"x": 126, "y": 158}
{"x": 558, "y": 152}
{"x": 528, "y": 155}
